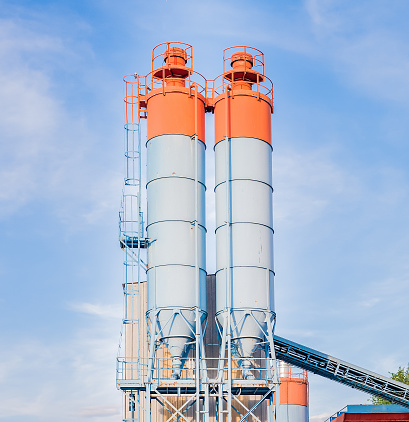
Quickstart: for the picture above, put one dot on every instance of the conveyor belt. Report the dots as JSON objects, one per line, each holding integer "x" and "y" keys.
{"x": 340, "y": 371}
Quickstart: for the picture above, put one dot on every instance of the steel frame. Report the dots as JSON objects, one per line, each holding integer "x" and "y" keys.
{"x": 146, "y": 387}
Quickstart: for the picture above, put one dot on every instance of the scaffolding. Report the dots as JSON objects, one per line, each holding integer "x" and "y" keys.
{"x": 133, "y": 242}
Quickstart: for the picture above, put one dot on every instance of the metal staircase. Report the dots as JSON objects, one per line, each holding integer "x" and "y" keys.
{"x": 337, "y": 370}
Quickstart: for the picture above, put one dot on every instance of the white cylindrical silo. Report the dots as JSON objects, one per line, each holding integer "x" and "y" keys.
{"x": 176, "y": 203}
{"x": 244, "y": 218}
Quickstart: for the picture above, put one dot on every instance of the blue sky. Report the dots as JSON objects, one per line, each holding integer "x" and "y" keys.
{"x": 341, "y": 177}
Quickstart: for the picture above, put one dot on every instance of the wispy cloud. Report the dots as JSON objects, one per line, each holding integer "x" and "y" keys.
{"x": 98, "y": 411}
{"x": 319, "y": 418}
{"x": 363, "y": 43}
{"x": 364, "y": 48}
{"x": 71, "y": 379}
{"x": 47, "y": 147}
{"x": 369, "y": 303}
{"x": 103, "y": 311}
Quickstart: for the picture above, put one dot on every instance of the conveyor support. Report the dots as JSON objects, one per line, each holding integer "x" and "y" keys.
{"x": 340, "y": 371}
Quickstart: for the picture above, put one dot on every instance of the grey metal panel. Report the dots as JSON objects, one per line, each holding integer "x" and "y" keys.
{"x": 252, "y": 246}
{"x": 173, "y": 156}
{"x": 250, "y": 201}
{"x": 292, "y": 413}
{"x": 258, "y": 295}
{"x": 173, "y": 243}
{"x": 173, "y": 199}
{"x": 250, "y": 159}
{"x": 173, "y": 286}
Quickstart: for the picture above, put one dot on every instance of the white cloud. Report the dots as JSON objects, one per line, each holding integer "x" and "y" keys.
{"x": 369, "y": 303}
{"x": 95, "y": 411}
{"x": 72, "y": 379}
{"x": 9, "y": 367}
{"x": 48, "y": 146}
{"x": 29, "y": 114}
{"x": 320, "y": 418}
{"x": 366, "y": 51}
{"x": 318, "y": 10}
{"x": 103, "y": 311}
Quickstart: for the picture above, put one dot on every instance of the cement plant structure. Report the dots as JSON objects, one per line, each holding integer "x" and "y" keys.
{"x": 196, "y": 346}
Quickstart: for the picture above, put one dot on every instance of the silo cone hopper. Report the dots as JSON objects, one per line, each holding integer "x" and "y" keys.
{"x": 176, "y": 330}
{"x": 248, "y": 331}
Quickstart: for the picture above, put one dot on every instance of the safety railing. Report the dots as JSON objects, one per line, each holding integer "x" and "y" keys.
{"x": 149, "y": 83}
{"x": 138, "y": 87}
{"x": 256, "y": 55}
{"x": 131, "y": 100}
{"x": 263, "y": 85}
{"x": 161, "y": 50}
{"x": 335, "y": 415}
{"x": 129, "y": 226}
{"x": 292, "y": 372}
{"x": 136, "y": 369}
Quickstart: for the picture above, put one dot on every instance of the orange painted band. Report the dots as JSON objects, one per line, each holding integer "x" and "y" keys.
{"x": 249, "y": 116}
{"x": 171, "y": 110}
{"x": 293, "y": 392}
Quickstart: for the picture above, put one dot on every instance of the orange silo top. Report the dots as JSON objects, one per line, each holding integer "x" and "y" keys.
{"x": 174, "y": 101}
{"x": 294, "y": 386}
{"x": 249, "y": 95}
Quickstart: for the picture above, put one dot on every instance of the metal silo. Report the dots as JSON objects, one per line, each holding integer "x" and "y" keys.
{"x": 293, "y": 405}
{"x": 244, "y": 218}
{"x": 176, "y": 230}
